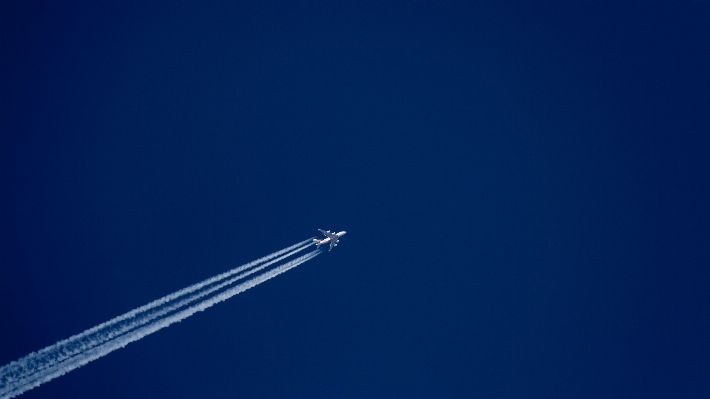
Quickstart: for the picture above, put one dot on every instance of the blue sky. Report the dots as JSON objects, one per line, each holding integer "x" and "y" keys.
{"x": 524, "y": 187}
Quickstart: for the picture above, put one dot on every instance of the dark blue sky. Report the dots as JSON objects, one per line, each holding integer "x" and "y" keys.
{"x": 524, "y": 186}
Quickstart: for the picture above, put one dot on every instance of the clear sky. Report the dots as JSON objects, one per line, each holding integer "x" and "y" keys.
{"x": 524, "y": 186}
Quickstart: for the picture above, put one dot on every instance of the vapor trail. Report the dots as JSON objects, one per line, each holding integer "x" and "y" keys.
{"x": 120, "y": 342}
{"x": 64, "y": 356}
{"x": 62, "y": 350}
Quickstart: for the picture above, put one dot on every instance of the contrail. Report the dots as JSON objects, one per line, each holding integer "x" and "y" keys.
{"x": 38, "y": 361}
{"x": 64, "y": 356}
{"x": 132, "y": 336}
{"x": 64, "y": 349}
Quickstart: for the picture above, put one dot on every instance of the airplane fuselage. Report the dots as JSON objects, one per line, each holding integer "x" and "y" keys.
{"x": 331, "y": 238}
{"x": 327, "y": 240}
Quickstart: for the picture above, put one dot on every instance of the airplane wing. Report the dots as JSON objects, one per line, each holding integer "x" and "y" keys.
{"x": 330, "y": 235}
{"x": 332, "y": 244}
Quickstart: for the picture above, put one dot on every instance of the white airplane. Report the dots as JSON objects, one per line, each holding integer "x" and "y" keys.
{"x": 331, "y": 238}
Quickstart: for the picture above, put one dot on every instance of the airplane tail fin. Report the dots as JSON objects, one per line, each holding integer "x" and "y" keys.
{"x": 317, "y": 243}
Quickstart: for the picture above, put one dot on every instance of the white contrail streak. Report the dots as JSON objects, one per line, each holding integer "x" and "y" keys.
{"x": 62, "y": 350}
{"x": 120, "y": 342}
{"x": 64, "y": 356}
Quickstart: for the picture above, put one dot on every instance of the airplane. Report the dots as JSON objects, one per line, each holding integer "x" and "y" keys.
{"x": 332, "y": 238}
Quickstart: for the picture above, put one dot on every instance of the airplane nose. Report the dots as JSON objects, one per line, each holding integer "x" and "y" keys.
{"x": 345, "y": 232}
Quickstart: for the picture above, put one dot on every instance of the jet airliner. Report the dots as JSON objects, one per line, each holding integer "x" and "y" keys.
{"x": 331, "y": 238}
